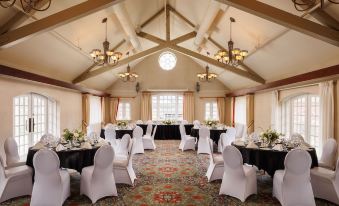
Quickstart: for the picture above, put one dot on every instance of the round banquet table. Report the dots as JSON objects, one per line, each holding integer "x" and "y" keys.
{"x": 269, "y": 160}
{"x": 214, "y": 133}
{"x": 167, "y": 131}
{"x": 118, "y": 132}
{"x": 71, "y": 159}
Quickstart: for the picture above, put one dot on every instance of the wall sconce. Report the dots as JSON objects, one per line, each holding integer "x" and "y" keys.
{"x": 197, "y": 87}
{"x": 137, "y": 87}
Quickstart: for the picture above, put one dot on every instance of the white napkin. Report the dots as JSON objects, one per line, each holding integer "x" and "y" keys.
{"x": 278, "y": 147}
{"x": 239, "y": 142}
{"x": 86, "y": 145}
{"x": 60, "y": 147}
{"x": 252, "y": 145}
{"x": 38, "y": 146}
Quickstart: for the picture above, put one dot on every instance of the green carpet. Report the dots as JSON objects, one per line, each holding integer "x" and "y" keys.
{"x": 168, "y": 176}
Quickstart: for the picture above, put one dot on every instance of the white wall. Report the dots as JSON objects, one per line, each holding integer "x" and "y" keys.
{"x": 69, "y": 103}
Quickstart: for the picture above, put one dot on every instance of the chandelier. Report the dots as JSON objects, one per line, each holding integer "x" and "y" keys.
{"x": 27, "y": 5}
{"x": 302, "y": 5}
{"x": 107, "y": 56}
{"x": 232, "y": 56}
{"x": 128, "y": 76}
{"x": 206, "y": 76}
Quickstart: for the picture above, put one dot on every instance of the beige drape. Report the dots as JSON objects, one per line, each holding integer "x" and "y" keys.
{"x": 85, "y": 112}
{"x": 221, "y": 109}
{"x": 146, "y": 106}
{"x": 188, "y": 110}
{"x": 250, "y": 113}
{"x": 114, "y": 105}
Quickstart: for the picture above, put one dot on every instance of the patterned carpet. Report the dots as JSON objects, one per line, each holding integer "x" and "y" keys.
{"x": 170, "y": 177}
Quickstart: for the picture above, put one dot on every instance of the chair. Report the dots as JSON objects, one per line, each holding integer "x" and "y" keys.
{"x": 292, "y": 186}
{"x": 110, "y": 135}
{"x": 187, "y": 142}
{"x": 196, "y": 124}
{"x": 97, "y": 181}
{"x": 52, "y": 185}
{"x": 12, "y": 153}
{"x": 149, "y": 129}
{"x": 325, "y": 183}
{"x": 122, "y": 165}
{"x": 215, "y": 170}
{"x": 15, "y": 181}
{"x": 139, "y": 122}
{"x": 138, "y": 146}
{"x": 148, "y": 141}
{"x": 184, "y": 122}
{"x": 329, "y": 155}
{"x": 122, "y": 150}
{"x": 149, "y": 122}
{"x": 240, "y": 131}
{"x": 226, "y": 138}
{"x": 239, "y": 181}
{"x": 203, "y": 143}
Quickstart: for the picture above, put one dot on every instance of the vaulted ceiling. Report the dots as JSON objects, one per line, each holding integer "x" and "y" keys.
{"x": 275, "y": 51}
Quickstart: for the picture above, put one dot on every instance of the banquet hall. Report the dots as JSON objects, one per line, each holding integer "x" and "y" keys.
{"x": 169, "y": 102}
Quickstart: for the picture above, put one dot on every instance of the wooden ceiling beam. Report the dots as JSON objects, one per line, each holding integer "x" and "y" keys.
{"x": 326, "y": 19}
{"x": 12, "y": 72}
{"x": 286, "y": 19}
{"x": 168, "y": 24}
{"x": 211, "y": 61}
{"x": 54, "y": 21}
{"x": 103, "y": 69}
{"x": 182, "y": 17}
{"x": 148, "y": 21}
{"x": 150, "y": 37}
{"x": 184, "y": 37}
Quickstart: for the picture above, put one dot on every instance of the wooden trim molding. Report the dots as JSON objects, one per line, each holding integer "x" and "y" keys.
{"x": 321, "y": 73}
{"x": 12, "y": 72}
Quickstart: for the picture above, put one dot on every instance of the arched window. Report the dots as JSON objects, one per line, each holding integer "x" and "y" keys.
{"x": 33, "y": 116}
{"x": 300, "y": 114}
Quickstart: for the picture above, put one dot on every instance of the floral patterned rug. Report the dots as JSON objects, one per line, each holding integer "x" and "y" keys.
{"x": 170, "y": 177}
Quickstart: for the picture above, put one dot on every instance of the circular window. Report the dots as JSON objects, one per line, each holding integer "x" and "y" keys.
{"x": 167, "y": 60}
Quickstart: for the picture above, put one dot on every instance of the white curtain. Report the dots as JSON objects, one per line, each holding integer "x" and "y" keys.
{"x": 240, "y": 110}
{"x": 94, "y": 110}
{"x": 276, "y": 111}
{"x": 326, "y": 110}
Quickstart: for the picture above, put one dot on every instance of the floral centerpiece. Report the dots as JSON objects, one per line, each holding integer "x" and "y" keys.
{"x": 168, "y": 122}
{"x": 122, "y": 123}
{"x": 270, "y": 136}
{"x": 211, "y": 123}
{"x": 73, "y": 135}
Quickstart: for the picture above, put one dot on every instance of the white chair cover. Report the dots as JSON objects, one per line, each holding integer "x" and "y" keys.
{"x": 15, "y": 181}
{"x": 52, "y": 185}
{"x": 325, "y": 183}
{"x": 12, "y": 153}
{"x": 329, "y": 155}
{"x": 149, "y": 129}
{"x": 292, "y": 186}
{"x": 239, "y": 180}
{"x": 184, "y": 122}
{"x": 203, "y": 143}
{"x": 187, "y": 142}
{"x": 110, "y": 135}
{"x": 148, "y": 141}
{"x": 196, "y": 124}
{"x": 226, "y": 138}
{"x": 123, "y": 169}
{"x": 97, "y": 181}
{"x": 123, "y": 146}
{"x": 149, "y": 122}
{"x": 215, "y": 170}
{"x": 139, "y": 122}
{"x": 138, "y": 146}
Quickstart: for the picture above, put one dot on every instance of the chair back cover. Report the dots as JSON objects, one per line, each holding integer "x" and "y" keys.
{"x": 137, "y": 132}
{"x": 296, "y": 180}
{"x": 11, "y": 151}
{"x": 336, "y": 177}
{"x": 124, "y": 144}
{"x": 204, "y": 132}
{"x": 2, "y": 171}
{"x": 149, "y": 129}
{"x": 211, "y": 149}
{"x": 182, "y": 132}
{"x": 149, "y": 122}
{"x": 229, "y": 136}
{"x": 329, "y": 155}
{"x": 110, "y": 134}
{"x": 196, "y": 124}
{"x": 139, "y": 122}
{"x": 154, "y": 131}
{"x": 233, "y": 162}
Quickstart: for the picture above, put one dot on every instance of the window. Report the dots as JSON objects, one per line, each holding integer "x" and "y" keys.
{"x": 167, "y": 60}
{"x": 94, "y": 110}
{"x": 34, "y": 115}
{"x": 211, "y": 111}
{"x": 124, "y": 111}
{"x": 301, "y": 115}
{"x": 167, "y": 107}
{"x": 240, "y": 114}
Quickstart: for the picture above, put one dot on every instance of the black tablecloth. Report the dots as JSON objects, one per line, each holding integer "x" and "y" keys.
{"x": 214, "y": 133}
{"x": 119, "y": 133}
{"x": 269, "y": 160}
{"x": 71, "y": 159}
{"x": 167, "y": 131}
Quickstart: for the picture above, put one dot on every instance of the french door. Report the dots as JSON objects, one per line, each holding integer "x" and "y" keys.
{"x": 34, "y": 115}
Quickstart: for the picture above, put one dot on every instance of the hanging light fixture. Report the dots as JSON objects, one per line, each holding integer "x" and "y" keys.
{"x": 128, "y": 76}
{"x": 232, "y": 56}
{"x": 207, "y": 76}
{"x": 107, "y": 56}
{"x": 27, "y": 5}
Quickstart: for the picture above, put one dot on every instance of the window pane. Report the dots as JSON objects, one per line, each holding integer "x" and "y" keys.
{"x": 167, "y": 107}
